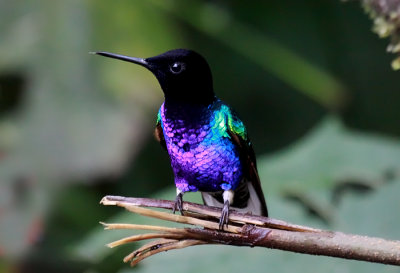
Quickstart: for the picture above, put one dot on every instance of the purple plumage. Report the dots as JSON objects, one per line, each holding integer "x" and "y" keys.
{"x": 202, "y": 154}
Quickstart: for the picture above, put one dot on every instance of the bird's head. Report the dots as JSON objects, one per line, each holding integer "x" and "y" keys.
{"x": 184, "y": 75}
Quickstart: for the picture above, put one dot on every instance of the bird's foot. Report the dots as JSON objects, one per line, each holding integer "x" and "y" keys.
{"x": 224, "y": 216}
{"x": 178, "y": 204}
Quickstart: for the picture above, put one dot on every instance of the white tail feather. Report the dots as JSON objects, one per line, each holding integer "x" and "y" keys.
{"x": 254, "y": 205}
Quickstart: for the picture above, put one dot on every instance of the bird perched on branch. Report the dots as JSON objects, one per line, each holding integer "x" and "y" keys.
{"x": 207, "y": 143}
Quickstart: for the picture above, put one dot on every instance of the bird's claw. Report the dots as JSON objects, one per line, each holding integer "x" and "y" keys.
{"x": 224, "y": 216}
{"x": 178, "y": 204}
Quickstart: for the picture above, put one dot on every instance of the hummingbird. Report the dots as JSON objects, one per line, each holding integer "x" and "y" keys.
{"x": 208, "y": 144}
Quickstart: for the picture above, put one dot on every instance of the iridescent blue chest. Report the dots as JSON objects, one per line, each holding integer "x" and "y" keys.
{"x": 203, "y": 156}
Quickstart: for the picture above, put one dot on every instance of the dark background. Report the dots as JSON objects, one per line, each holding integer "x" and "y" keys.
{"x": 310, "y": 79}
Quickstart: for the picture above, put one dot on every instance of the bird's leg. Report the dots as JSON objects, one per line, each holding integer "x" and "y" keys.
{"x": 228, "y": 199}
{"x": 178, "y": 202}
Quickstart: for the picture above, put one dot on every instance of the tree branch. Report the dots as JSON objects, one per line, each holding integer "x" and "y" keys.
{"x": 243, "y": 230}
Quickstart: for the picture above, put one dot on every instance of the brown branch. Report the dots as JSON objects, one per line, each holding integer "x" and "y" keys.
{"x": 243, "y": 230}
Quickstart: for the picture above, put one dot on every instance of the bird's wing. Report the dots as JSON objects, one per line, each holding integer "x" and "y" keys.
{"x": 248, "y": 197}
{"x": 238, "y": 133}
{"x": 158, "y": 132}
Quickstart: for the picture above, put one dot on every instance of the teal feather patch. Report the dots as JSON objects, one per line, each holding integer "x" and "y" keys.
{"x": 235, "y": 125}
{"x": 159, "y": 118}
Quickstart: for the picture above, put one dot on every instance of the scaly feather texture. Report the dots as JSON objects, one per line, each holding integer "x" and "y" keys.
{"x": 202, "y": 154}
{"x": 210, "y": 152}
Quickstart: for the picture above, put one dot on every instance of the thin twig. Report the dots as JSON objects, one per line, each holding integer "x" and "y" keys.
{"x": 171, "y": 217}
{"x": 244, "y": 230}
{"x": 138, "y": 227}
{"x": 141, "y": 237}
{"x": 165, "y": 247}
{"x": 147, "y": 247}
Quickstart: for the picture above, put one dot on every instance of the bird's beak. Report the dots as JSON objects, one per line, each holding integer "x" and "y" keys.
{"x": 138, "y": 61}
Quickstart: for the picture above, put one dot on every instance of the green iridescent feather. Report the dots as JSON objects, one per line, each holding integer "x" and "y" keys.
{"x": 158, "y": 118}
{"x": 235, "y": 125}
{"x": 224, "y": 119}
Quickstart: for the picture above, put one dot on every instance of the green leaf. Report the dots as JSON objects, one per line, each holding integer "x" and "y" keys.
{"x": 326, "y": 156}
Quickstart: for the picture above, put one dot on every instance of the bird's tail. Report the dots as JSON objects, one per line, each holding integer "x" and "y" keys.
{"x": 246, "y": 199}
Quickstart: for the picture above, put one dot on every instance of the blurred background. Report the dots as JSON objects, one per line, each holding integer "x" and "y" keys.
{"x": 310, "y": 79}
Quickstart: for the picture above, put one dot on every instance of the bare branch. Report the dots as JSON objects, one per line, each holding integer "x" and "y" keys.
{"x": 243, "y": 230}
{"x": 205, "y": 211}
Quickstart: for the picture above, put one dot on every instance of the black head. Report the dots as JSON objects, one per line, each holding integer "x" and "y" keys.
{"x": 184, "y": 75}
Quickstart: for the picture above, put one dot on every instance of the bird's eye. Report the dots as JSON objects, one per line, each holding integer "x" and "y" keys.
{"x": 177, "y": 67}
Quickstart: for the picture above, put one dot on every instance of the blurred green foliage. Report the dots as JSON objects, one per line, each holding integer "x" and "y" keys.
{"x": 309, "y": 78}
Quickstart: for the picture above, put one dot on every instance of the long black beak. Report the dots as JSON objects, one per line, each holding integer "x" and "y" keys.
{"x": 138, "y": 61}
